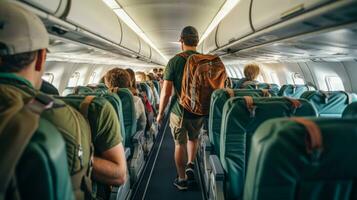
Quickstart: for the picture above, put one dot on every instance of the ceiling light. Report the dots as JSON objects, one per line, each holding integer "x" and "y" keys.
{"x": 225, "y": 9}
{"x": 130, "y": 22}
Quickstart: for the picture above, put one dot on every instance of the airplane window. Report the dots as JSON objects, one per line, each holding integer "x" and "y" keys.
{"x": 298, "y": 79}
{"x": 274, "y": 78}
{"x": 260, "y": 78}
{"x": 334, "y": 83}
{"x": 238, "y": 72}
{"x": 229, "y": 72}
{"x": 92, "y": 78}
{"x": 48, "y": 77}
{"x": 73, "y": 81}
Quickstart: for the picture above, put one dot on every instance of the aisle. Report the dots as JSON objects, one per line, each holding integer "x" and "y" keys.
{"x": 160, "y": 183}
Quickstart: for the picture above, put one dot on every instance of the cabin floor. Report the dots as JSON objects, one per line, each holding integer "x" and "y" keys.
{"x": 160, "y": 172}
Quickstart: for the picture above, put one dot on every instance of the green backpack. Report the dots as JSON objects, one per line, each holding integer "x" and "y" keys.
{"x": 16, "y": 135}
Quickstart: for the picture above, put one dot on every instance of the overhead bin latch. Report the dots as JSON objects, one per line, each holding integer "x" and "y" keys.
{"x": 59, "y": 30}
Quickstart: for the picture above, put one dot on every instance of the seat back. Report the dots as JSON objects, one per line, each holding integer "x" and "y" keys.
{"x": 329, "y": 104}
{"x": 294, "y": 91}
{"x": 350, "y": 111}
{"x": 42, "y": 171}
{"x": 273, "y": 88}
{"x": 116, "y": 102}
{"x": 235, "y": 82}
{"x": 241, "y": 117}
{"x": 127, "y": 100}
{"x": 218, "y": 99}
{"x": 287, "y": 163}
{"x": 144, "y": 87}
{"x": 157, "y": 86}
{"x": 99, "y": 88}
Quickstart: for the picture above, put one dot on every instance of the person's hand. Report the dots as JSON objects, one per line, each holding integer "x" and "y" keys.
{"x": 159, "y": 118}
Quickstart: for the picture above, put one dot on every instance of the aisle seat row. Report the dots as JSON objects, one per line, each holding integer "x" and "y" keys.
{"x": 138, "y": 144}
{"x": 234, "y": 118}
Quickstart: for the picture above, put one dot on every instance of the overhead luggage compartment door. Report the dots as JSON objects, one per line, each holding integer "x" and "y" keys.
{"x": 209, "y": 44}
{"x": 266, "y": 13}
{"x": 130, "y": 39}
{"x": 235, "y": 25}
{"x": 96, "y": 17}
{"x": 52, "y": 7}
{"x": 145, "y": 49}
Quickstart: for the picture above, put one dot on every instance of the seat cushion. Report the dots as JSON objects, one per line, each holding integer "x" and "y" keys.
{"x": 238, "y": 127}
{"x": 280, "y": 167}
{"x": 329, "y": 104}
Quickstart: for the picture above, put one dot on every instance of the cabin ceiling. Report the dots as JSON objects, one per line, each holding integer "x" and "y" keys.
{"x": 162, "y": 21}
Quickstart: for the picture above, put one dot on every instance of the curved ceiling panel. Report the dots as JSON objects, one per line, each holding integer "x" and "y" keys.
{"x": 162, "y": 21}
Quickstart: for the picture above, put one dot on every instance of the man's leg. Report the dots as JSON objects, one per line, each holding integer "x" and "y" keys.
{"x": 180, "y": 160}
{"x": 192, "y": 146}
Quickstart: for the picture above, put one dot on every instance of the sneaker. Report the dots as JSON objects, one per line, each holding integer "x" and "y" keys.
{"x": 181, "y": 185}
{"x": 190, "y": 172}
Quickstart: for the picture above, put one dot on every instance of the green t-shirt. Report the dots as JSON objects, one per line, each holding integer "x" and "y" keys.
{"x": 174, "y": 72}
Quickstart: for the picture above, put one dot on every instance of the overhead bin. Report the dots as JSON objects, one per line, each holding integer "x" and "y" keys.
{"x": 54, "y": 7}
{"x": 102, "y": 21}
{"x": 156, "y": 57}
{"x": 145, "y": 49}
{"x": 266, "y": 13}
{"x": 235, "y": 25}
{"x": 210, "y": 42}
{"x": 130, "y": 39}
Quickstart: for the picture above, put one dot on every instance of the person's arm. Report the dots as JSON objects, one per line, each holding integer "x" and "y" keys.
{"x": 110, "y": 168}
{"x": 109, "y": 164}
{"x": 164, "y": 99}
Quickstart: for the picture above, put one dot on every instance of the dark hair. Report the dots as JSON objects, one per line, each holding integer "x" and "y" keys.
{"x": 117, "y": 77}
{"x": 16, "y": 62}
{"x": 132, "y": 77}
{"x": 190, "y": 41}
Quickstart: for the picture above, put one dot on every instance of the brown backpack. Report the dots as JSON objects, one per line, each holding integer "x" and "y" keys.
{"x": 202, "y": 75}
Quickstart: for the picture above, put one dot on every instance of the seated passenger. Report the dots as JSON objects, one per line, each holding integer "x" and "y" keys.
{"x": 132, "y": 87}
{"x": 120, "y": 78}
{"x": 22, "y": 64}
{"x": 251, "y": 72}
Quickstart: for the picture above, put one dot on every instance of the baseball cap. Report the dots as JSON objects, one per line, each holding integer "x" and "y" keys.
{"x": 20, "y": 30}
{"x": 189, "y": 31}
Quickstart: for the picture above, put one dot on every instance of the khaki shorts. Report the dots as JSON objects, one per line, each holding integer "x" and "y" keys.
{"x": 190, "y": 128}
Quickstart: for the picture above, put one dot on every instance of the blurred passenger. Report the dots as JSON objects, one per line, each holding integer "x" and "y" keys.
{"x": 120, "y": 78}
{"x": 251, "y": 72}
{"x": 132, "y": 87}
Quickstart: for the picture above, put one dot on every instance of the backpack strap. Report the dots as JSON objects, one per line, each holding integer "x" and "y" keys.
{"x": 84, "y": 106}
{"x": 295, "y": 104}
{"x": 15, "y": 136}
{"x": 313, "y": 138}
{"x": 325, "y": 95}
{"x": 249, "y": 101}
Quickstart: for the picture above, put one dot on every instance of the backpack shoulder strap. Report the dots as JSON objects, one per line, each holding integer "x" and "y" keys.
{"x": 29, "y": 113}
{"x": 183, "y": 55}
{"x": 84, "y": 106}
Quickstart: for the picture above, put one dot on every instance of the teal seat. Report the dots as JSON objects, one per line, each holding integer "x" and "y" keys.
{"x": 218, "y": 99}
{"x": 100, "y": 88}
{"x": 118, "y": 107}
{"x": 79, "y": 90}
{"x": 294, "y": 91}
{"x": 42, "y": 171}
{"x": 287, "y": 163}
{"x": 273, "y": 88}
{"x": 329, "y": 104}
{"x": 144, "y": 87}
{"x": 241, "y": 117}
{"x": 127, "y": 100}
{"x": 350, "y": 111}
{"x": 157, "y": 86}
{"x": 235, "y": 83}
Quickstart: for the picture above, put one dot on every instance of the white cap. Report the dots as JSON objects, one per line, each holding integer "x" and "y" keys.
{"x": 20, "y": 30}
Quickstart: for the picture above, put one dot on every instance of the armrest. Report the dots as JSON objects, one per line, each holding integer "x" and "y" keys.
{"x": 137, "y": 136}
{"x": 127, "y": 153}
{"x": 217, "y": 169}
